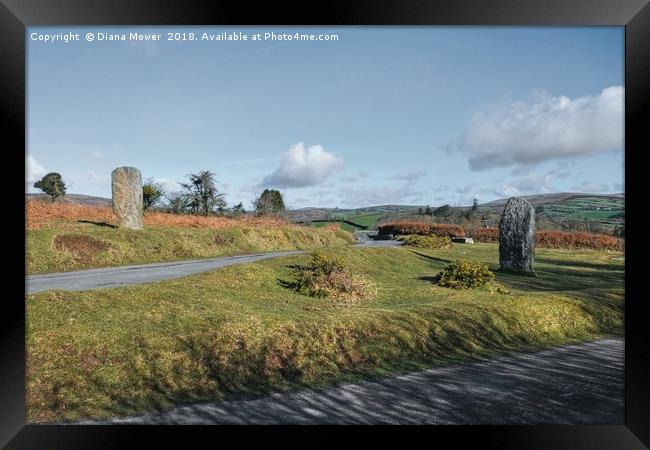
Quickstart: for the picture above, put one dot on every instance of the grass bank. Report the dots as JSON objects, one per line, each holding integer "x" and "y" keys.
{"x": 66, "y": 246}
{"x": 240, "y": 331}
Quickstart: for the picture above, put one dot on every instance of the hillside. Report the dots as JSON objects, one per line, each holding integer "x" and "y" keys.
{"x": 75, "y": 199}
{"x": 64, "y": 237}
{"x": 546, "y": 199}
{"x": 557, "y": 208}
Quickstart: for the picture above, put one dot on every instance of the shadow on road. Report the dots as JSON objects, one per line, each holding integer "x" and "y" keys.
{"x": 579, "y": 384}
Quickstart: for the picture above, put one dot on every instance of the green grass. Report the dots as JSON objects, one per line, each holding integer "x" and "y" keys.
{"x": 584, "y": 209}
{"x": 157, "y": 244}
{"x": 240, "y": 331}
{"x": 344, "y": 226}
{"x": 368, "y": 220}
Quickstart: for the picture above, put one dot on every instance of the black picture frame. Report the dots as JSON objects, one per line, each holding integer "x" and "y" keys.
{"x": 16, "y": 15}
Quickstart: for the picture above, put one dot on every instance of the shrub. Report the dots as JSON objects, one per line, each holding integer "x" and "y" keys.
{"x": 152, "y": 191}
{"x": 577, "y": 240}
{"x": 431, "y": 241}
{"x": 464, "y": 274}
{"x": 485, "y": 234}
{"x": 269, "y": 202}
{"x": 52, "y": 185}
{"x": 421, "y": 228}
{"x": 327, "y": 276}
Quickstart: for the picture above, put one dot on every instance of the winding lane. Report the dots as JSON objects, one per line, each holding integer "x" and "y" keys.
{"x": 108, "y": 277}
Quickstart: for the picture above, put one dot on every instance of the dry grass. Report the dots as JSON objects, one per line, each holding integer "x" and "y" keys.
{"x": 240, "y": 331}
{"x": 558, "y": 239}
{"x": 43, "y": 214}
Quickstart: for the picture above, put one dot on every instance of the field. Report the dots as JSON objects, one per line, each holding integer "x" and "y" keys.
{"x": 63, "y": 237}
{"x": 241, "y": 331}
{"x": 605, "y": 211}
{"x": 344, "y": 226}
{"x": 352, "y": 222}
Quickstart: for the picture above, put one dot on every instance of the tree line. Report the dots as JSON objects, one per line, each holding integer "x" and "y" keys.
{"x": 198, "y": 195}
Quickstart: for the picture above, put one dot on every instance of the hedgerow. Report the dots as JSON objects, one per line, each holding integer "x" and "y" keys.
{"x": 577, "y": 240}
{"x": 421, "y": 228}
{"x": 572, "y": 240}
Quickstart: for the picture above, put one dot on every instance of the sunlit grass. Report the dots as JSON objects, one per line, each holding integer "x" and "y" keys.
{"x": 239, "y": 331}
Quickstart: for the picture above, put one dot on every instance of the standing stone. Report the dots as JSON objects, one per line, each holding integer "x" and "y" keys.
{"x": 517, "y": 236}
{"x": 126, "y": 184}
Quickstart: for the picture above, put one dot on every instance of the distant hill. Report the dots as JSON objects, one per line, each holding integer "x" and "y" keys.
{"x": 535, "y": 200}
{"x": 77, "y": 199}
{"x": 607, "y": 210}
{"x": 545, "y": 199}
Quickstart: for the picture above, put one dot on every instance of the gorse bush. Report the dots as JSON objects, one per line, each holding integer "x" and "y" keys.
{"x": 465, "y": 274}
{"x": 431, "y": 241}
{"x": 327, "y": 276}
{"x": 421, "y": 228}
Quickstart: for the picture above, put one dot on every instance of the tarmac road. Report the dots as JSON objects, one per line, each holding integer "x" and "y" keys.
{"x": 574, "y": 384}
{"x": 83, "y": 280}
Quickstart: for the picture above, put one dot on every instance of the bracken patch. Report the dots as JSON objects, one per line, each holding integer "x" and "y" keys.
{"x": 83, "y": 248}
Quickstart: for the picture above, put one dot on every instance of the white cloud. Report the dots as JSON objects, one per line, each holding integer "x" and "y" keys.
{"x": 379, "y": 195}
{"x": 530, "y": 184}
{"x": 590, "y": 186}
{"x": 361, "y": 175}
{"x": 34, "y": 170}
{"x": 303, "y": 167}
{"x": 468, "y": 188}
{"x": 97, "y": 179}
{"x": 168, "y": 184}
{"x": 409, "y": 175}
{"x": 97, "y": 155}
{"x": 517, "y": 133}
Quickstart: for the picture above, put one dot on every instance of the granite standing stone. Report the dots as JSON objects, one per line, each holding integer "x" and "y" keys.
{"x": 126, "y": 184}
{"x": 517, "y": 236}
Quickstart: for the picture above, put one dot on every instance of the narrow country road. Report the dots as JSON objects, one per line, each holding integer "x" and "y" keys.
{"x": 83, "y": 280}
{"x": 574, "y": 384}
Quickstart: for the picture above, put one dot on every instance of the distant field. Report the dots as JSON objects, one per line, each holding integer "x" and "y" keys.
{"x": 368, "y": 220}
{"x": 605, "y": 211}
{"x": 365, "y": 220}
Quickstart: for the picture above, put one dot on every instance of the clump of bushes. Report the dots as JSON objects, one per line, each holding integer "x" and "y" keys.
{"x": 420, "y": 228}
{"x": 432, "y": 241}
{"x": 465, "y": 274}
{"x": 327, "y": 276}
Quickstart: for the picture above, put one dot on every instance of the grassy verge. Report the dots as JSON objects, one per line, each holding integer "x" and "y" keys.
{"x": 73, "y": 246}
{"x": 240, "y": 331}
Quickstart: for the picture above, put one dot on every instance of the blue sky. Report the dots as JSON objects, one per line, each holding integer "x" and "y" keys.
{"x": 408, "y": 115}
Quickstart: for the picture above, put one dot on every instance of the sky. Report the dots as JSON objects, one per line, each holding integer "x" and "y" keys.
{"x": 379, "y": 115}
